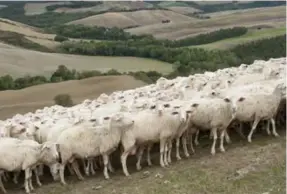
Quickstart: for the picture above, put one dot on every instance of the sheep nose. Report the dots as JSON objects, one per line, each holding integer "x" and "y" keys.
{"x": 133, "y": 121}
{"x": 188, "y": 111}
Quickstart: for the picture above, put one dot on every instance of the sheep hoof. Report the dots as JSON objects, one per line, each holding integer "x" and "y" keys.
{"x": 222, "y": 150}
{"x": 187, "y": 155}
{"x": 276, "y": 135}
{"x": 139, "y": 168}
{"x": 178, "y": 158}
{"x": 149, "y": 164}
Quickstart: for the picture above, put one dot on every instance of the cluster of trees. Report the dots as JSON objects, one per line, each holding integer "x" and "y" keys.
{"x": 186, "y": 60}
{"x": 264, "y": 49}
{"x": 62, "y": 73}
{"x": 98, "y": 33}
{"x": 73, "y": 4}
{"x": 116, "y": 34}
{"x": 235, "y": 5}
{"x": 16, "y": 39}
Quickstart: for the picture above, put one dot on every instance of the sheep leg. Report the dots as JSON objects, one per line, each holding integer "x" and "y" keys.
{"x": 165, "y": 153}
{"x": 16, "y": 176}
{"x": 196, "y": 138}
{"x": 41, "y": 170}
{"x": 87, "y": 168}
{"x": 124, "y": 161}
{"x": 162, "y": 146}
{"x": 191, "y": 144}
{"x": 27, "y": 188}
{"x": 274, "y": 128}
{"x": 92, "y": 167}
{"x": 149, "y": 146}
{"x": 184, "y": 145}
{"x": 4, "y": 177}
{"x": 222, "y": 141}
{"x": 169, "y": 152}
{"x": 106, "y": 162}
{"x": 214, "y": 133}
{"x": 210, "y": 134}
{"x": 177, "y": 148}
{"x": 30, "y": 180}
{"x": 255, "y": 123}
{"x": 1, "y": 184}
{"x": 110, "y": 167}
{"x": 62, "y": 175}
{"x": 268, "y": 127}
{"x": 227, "y": 137}
{"x": 37, "y": 177}
{"x": 75, "y": 166}
{"x": 72, "y": 172}
{"x": 139, "y": 157}
{"x": 240, "y": 130}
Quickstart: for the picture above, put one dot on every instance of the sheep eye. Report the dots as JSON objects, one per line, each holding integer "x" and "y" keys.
{"x": 106, "y": 118}
{"x": 174, "y": 113}
{"x": 93, "y": 120}
{"x": 166, "y": 105}
{"x": 177, "y": 107}
{"x": 98, "y": 106}
{"x": 187, "y": 86}
{"x": 152, "y": 107}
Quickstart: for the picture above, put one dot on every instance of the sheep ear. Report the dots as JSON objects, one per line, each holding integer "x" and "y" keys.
{"x": 44, "y": 147}
{"x": 195, "y": 105}
{"x": 23, "y": 130}
{"x": 241, "y": 99}
{"x": 58, "y": 147}
{"x": 226, "y": 99}
{"x": 159, "y": 112}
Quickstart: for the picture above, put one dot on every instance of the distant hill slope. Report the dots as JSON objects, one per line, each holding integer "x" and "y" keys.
{"x": 135, "y": 18}
{"x": 249, "y": 17}
{"x": 35, "y": 97}
{"x": 19, "y": 62}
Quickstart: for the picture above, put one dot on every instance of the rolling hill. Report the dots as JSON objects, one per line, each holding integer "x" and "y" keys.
{"x": 35, "y": 97}
{"x": 131, "y": 19}
{"x": 19, "y": 62}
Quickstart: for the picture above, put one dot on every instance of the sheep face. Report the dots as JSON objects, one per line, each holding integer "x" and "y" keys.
{"x": 50, "y": 153}
{"x": 120, "y": 120}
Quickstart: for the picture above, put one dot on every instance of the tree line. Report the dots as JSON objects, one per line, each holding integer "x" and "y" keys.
{"x": 7, "y": 82}
{"x": 116, "y": 34}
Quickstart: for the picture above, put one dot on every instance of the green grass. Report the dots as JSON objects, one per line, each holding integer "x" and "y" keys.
{"x": 251, "y": 35}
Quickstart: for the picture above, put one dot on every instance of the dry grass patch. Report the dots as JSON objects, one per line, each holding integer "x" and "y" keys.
{"x": 180, "y": 30}
{"x": 135, "y": 18}
{"x": 32, "y": 98}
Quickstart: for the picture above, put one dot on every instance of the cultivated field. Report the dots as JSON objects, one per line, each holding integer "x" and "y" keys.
{"x": 35, "y": 97}
{"x": 135, "y": 18}
{"x": 18, "y": 62}
{"x": 39, "y": 7}
{"x": 251, "y": 35}
{"x": 259, "y": 16}
{"x": 255, "y": 168}
{"x": 183, "y": 10}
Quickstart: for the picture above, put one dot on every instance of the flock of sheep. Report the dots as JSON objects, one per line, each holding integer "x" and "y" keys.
{"x": 133, "y": 121}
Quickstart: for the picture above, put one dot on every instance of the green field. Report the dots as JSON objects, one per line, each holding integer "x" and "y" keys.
{"x": 251, "y": 35}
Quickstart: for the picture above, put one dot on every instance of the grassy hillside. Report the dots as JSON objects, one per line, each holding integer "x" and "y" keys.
{"x": 132, "y": 19}
{"x": 19, "y": 62}
{"x": 25, "y": 100}
{"x": 269, "y": 16}
{"x": 251, "y": 35}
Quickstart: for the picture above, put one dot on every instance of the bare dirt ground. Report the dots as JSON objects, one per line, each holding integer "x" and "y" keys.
{"x": 19, "y": 62}
{"x": 178, "y": 30}
{"x": 135, "y": 18}
{"x": 35, "y": 97}
{"x": 245, "y": 168}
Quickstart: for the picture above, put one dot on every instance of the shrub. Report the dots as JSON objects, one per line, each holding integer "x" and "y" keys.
{"x": 60, "y": 38}
{"x": 63, "y": 100}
